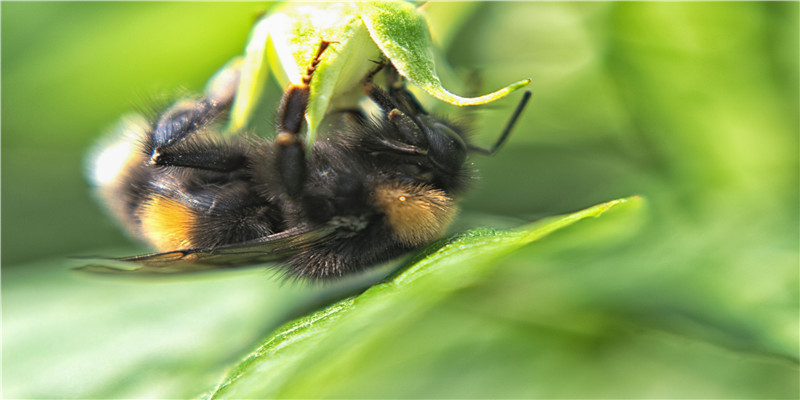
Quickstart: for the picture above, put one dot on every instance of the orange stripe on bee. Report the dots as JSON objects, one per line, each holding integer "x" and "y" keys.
{"x": 417, "y": 213}
{"x": 167, "y": 224}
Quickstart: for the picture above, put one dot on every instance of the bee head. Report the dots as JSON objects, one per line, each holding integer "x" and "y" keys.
{"x": 440, "y": 145}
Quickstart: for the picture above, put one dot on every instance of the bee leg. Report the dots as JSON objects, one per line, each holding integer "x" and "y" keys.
{"x": 379, "y": 96}
{"x": 171, "y": 145}
{"x": 401, "y": 95}
{"x": 397, "y": 97}
{"x": 202, "y": 155}
{"x": 290, "y": 156}
{"x": 180, "y": 122}
{"x": 407, "y": 123}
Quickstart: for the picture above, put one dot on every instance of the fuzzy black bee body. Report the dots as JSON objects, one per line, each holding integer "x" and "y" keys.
{"x": 364, "y": 194}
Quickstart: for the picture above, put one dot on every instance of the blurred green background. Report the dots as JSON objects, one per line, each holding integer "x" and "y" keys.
{"x": 693, "y": 105}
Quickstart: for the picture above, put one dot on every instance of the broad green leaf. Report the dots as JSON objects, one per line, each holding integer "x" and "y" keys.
{"x": 445, "y": 268}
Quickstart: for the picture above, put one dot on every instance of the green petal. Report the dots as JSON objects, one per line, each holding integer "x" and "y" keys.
{"x": 288, "y": 39}
{"x": 253, "y": 77}
{"x": 401, "y": 33}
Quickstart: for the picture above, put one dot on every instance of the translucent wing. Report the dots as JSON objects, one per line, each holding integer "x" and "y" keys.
{"x": 274, "y": 247}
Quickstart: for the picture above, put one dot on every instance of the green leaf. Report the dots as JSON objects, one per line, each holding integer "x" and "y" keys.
{"x": 445, "y": 268}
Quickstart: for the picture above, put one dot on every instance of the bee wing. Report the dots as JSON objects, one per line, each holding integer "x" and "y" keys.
{"x": 274, "y": 247}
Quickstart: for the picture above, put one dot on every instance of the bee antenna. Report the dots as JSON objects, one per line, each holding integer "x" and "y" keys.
{"x": 379, "y": 65}
{"x": 507, "y": 131}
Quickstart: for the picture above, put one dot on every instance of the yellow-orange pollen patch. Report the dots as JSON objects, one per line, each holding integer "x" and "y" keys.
{"x": 417, "y": 213}
{"x": 167, "y": 223}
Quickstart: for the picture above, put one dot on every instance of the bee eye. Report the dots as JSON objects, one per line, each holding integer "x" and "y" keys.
{"x": 447, "y": 147}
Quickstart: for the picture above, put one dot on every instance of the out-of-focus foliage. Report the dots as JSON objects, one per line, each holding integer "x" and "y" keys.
{"x": 693, "y": 105}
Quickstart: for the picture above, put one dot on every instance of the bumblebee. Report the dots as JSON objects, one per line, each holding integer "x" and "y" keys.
{"x": 370, "y": 190}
